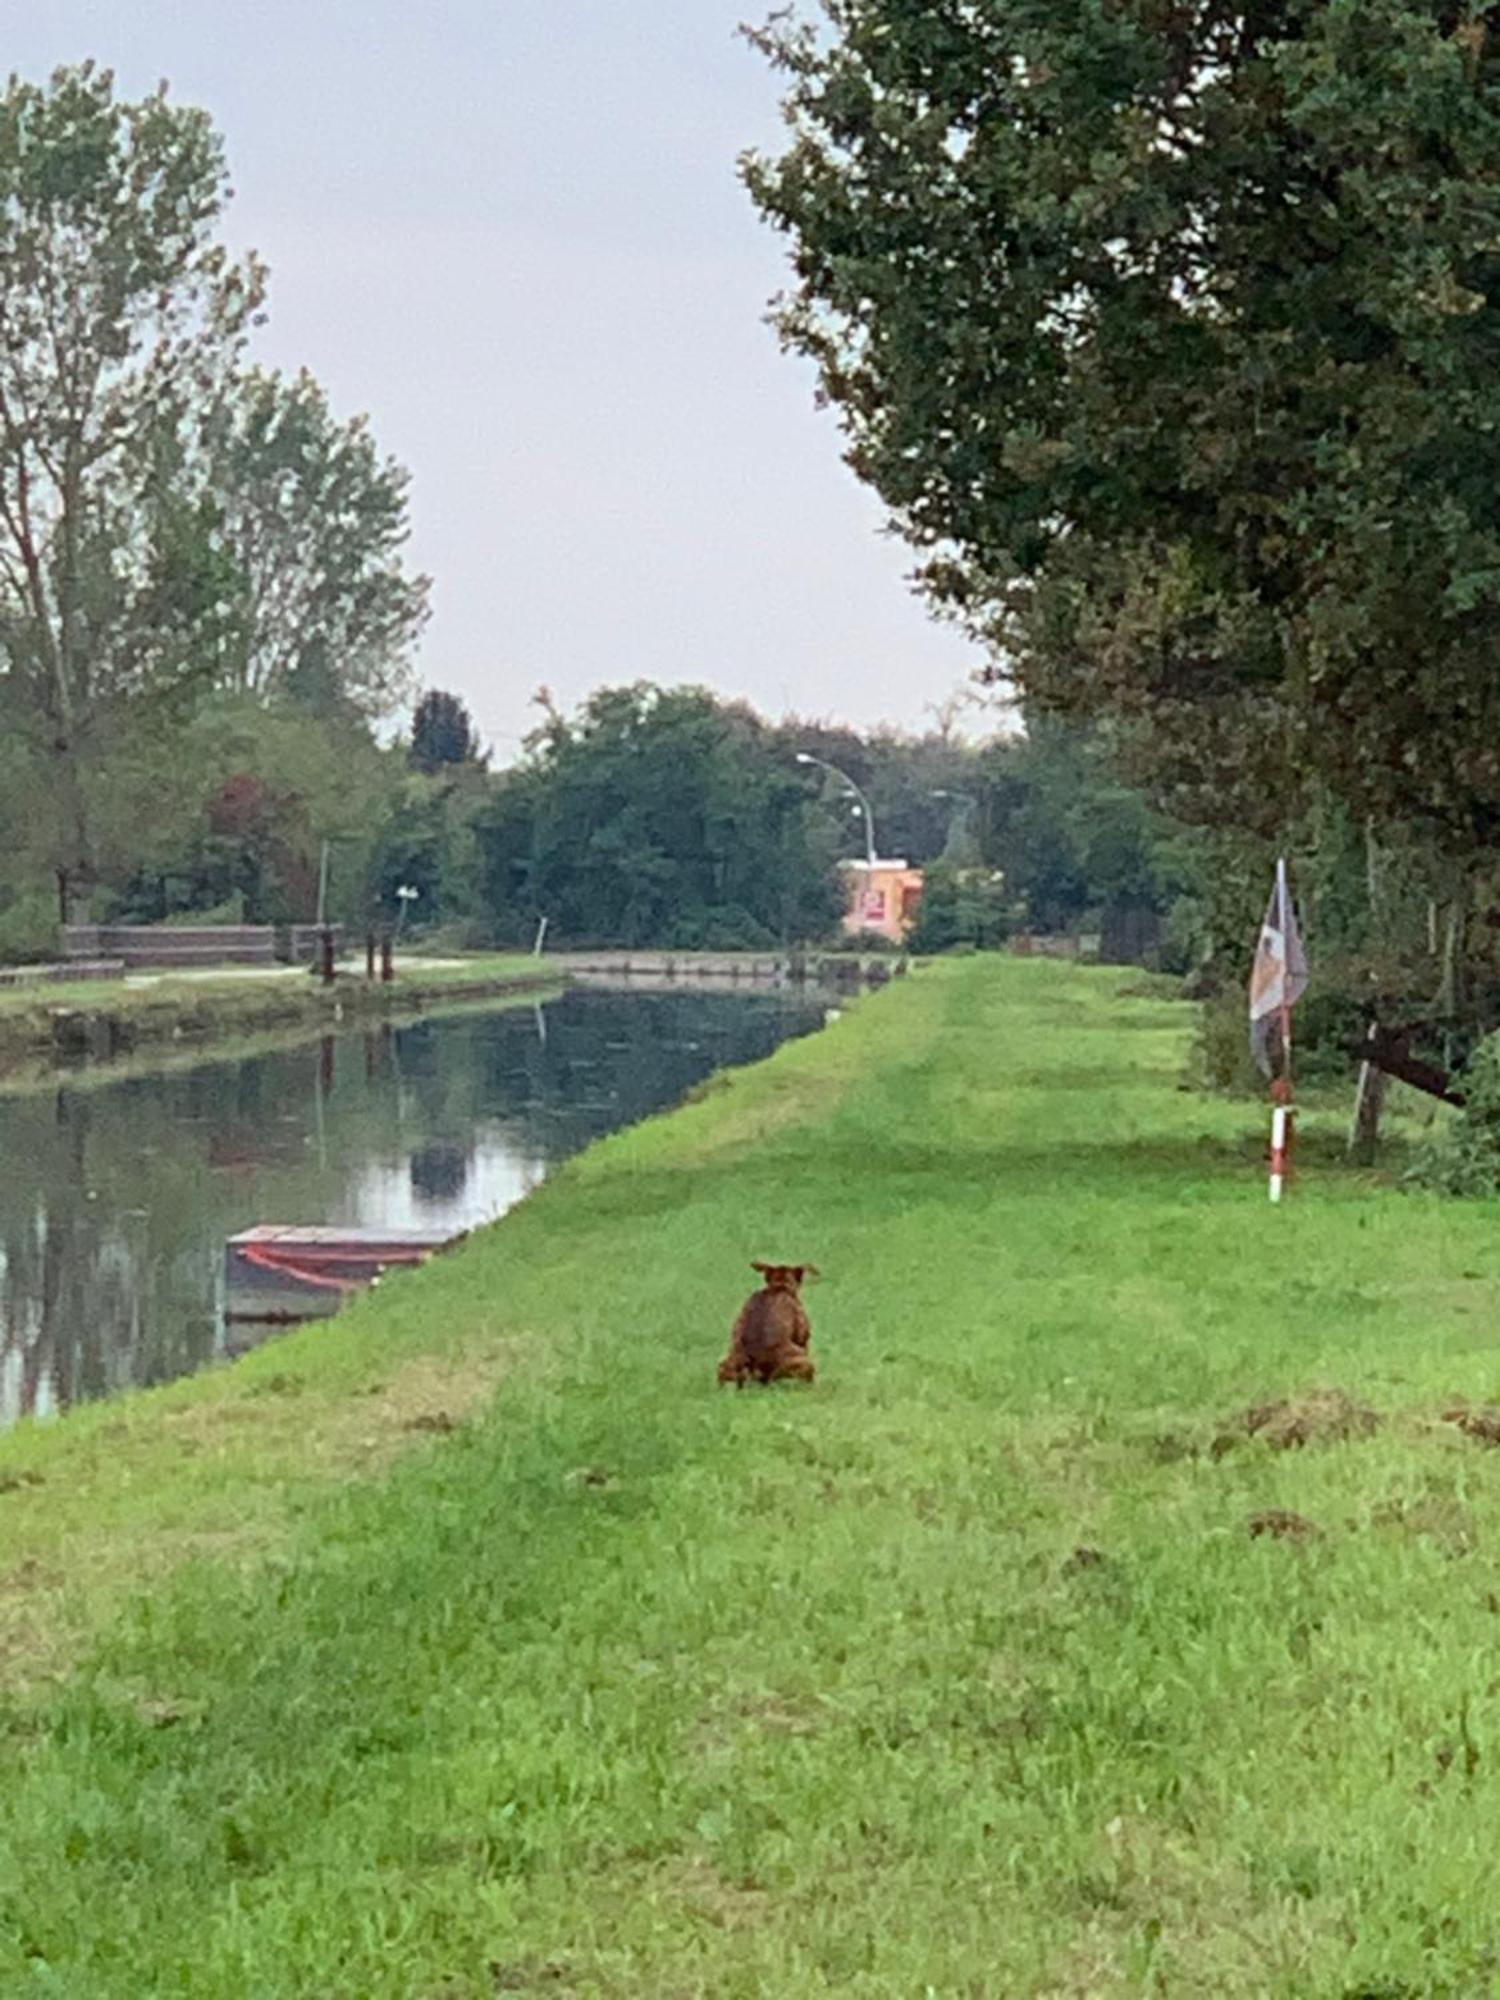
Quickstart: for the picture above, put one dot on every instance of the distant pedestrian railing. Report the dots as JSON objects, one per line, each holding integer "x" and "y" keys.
{"x": 185, "y": 946}
{"x": 52, "y": 975}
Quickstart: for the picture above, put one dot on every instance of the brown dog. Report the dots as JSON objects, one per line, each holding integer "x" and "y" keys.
{"x": 771, "y": 1335}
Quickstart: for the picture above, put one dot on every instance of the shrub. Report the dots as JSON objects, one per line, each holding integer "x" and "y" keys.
{"x": 728, "y": 928}
{"x": 1465, "y": 1160}
{"x": 1221, "y": 1058}
{"x": 1329, "y": 1027}
{"x": 962, "y": 906}
{"x": 29, "y": 930}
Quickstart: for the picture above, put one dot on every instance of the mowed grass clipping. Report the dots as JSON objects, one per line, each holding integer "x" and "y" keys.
{"x": 960, "y": 1674}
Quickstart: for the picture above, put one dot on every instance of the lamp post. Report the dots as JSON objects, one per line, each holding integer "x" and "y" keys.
{"x": 806, "y": 757}
{"x": 405, "y": 896}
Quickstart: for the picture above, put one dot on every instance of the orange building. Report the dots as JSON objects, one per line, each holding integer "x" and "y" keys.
{"x": 882, "y": 896}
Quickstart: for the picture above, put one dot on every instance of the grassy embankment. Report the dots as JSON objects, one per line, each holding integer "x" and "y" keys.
{"x": 111, "y": 1017}
{"x": 960, "y": 1674}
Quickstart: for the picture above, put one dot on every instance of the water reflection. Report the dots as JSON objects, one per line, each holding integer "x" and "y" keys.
{"x": 116, "y": 1198}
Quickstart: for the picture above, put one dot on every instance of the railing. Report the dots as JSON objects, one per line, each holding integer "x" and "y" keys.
{"x": 164, "y": 946}
{"x": 51, "y": 975}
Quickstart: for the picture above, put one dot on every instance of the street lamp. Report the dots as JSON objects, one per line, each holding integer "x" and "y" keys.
{"x": 405, "y": 896}
{"x": 806, "y": 757}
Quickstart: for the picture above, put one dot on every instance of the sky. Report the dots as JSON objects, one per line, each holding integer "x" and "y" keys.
{"x": 511, "y": 232}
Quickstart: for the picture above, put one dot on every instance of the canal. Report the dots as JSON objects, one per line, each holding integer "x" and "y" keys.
{"x": 117, "y": 1195}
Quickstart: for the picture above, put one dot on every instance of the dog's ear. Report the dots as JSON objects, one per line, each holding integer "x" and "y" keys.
{"x": 764, "y": 1269}
{"x": 807, "y": 1271}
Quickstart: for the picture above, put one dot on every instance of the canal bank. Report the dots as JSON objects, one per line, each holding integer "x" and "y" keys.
{"x": 103, "y": 1020}
{"x": 107, "y": 1020}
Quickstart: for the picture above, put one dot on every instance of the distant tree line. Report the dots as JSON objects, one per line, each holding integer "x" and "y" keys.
{"x": 654, "y": 817}
{"x": 669, "y": 818}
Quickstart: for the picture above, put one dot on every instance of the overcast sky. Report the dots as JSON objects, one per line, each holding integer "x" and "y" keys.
{"x": 510, "y": 231}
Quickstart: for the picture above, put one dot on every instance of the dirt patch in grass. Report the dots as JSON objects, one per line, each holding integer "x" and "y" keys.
{"x": 763, "y": 1714}
{"x": 1483, "y": 1425}
{"x": 1438, "y": 1517}
{"x": 1325, "y": 1416}
{"x": 1171, "y": 1447}
{"x": 1084, "y": 1558}
{"x": 1281, "y": 1525}
{"x": 525, "y": 1976}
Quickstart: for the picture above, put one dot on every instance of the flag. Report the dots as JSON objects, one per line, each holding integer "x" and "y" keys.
{"x": 1279, "y": 977}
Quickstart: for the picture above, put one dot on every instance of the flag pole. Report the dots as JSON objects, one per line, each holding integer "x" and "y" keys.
{"x": 1283, "y": 1117}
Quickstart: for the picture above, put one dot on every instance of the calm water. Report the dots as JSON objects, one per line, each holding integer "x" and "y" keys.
{"x": 116, "y": 1198}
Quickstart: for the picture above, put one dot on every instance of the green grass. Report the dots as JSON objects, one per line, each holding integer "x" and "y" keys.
{"x": 111, "y": 1017}
{"x": 626, "y": 1686}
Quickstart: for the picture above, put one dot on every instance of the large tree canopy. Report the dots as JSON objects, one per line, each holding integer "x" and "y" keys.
{"x": 120, "y": 320}
{"x": 662, "y": 816}
{"x": 171, "y": 522}
{"x": 313, "y": 520}
{"x": 1169, "y": 330}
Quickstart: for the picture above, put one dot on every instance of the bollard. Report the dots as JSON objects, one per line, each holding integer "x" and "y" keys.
{"x": 325, "y": 954}
{"x": 387, "y": 967}
{"x": 369, "y": 954}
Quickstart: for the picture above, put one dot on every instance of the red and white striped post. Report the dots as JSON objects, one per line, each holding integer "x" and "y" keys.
{"x": 1281, "y": 1150}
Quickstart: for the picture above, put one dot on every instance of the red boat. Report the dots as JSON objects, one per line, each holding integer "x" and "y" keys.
{"x": 281, "y": 1274}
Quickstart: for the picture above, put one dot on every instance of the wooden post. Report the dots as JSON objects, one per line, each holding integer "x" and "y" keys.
{"x": 387, "y": 966}
{"x": 1369, "y": 1102}
{"x": 325, "y": 954}
{"x": 369, "y": 954}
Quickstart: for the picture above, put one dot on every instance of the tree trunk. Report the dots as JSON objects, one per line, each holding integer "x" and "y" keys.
{"x": 72, "y": 846}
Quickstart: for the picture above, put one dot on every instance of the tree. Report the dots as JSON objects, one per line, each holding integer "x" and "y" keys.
{"x": 1169, "y": 335}
{"x": 442, "y": 733}
{"x": 659, "y": 817}
{"x": 121, "y": 321}
{"x": 962, "y": 907}
{"x": 313, "y": 522}
{"x": 427, "y": 842}
{"x": 1075, "y": 844}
